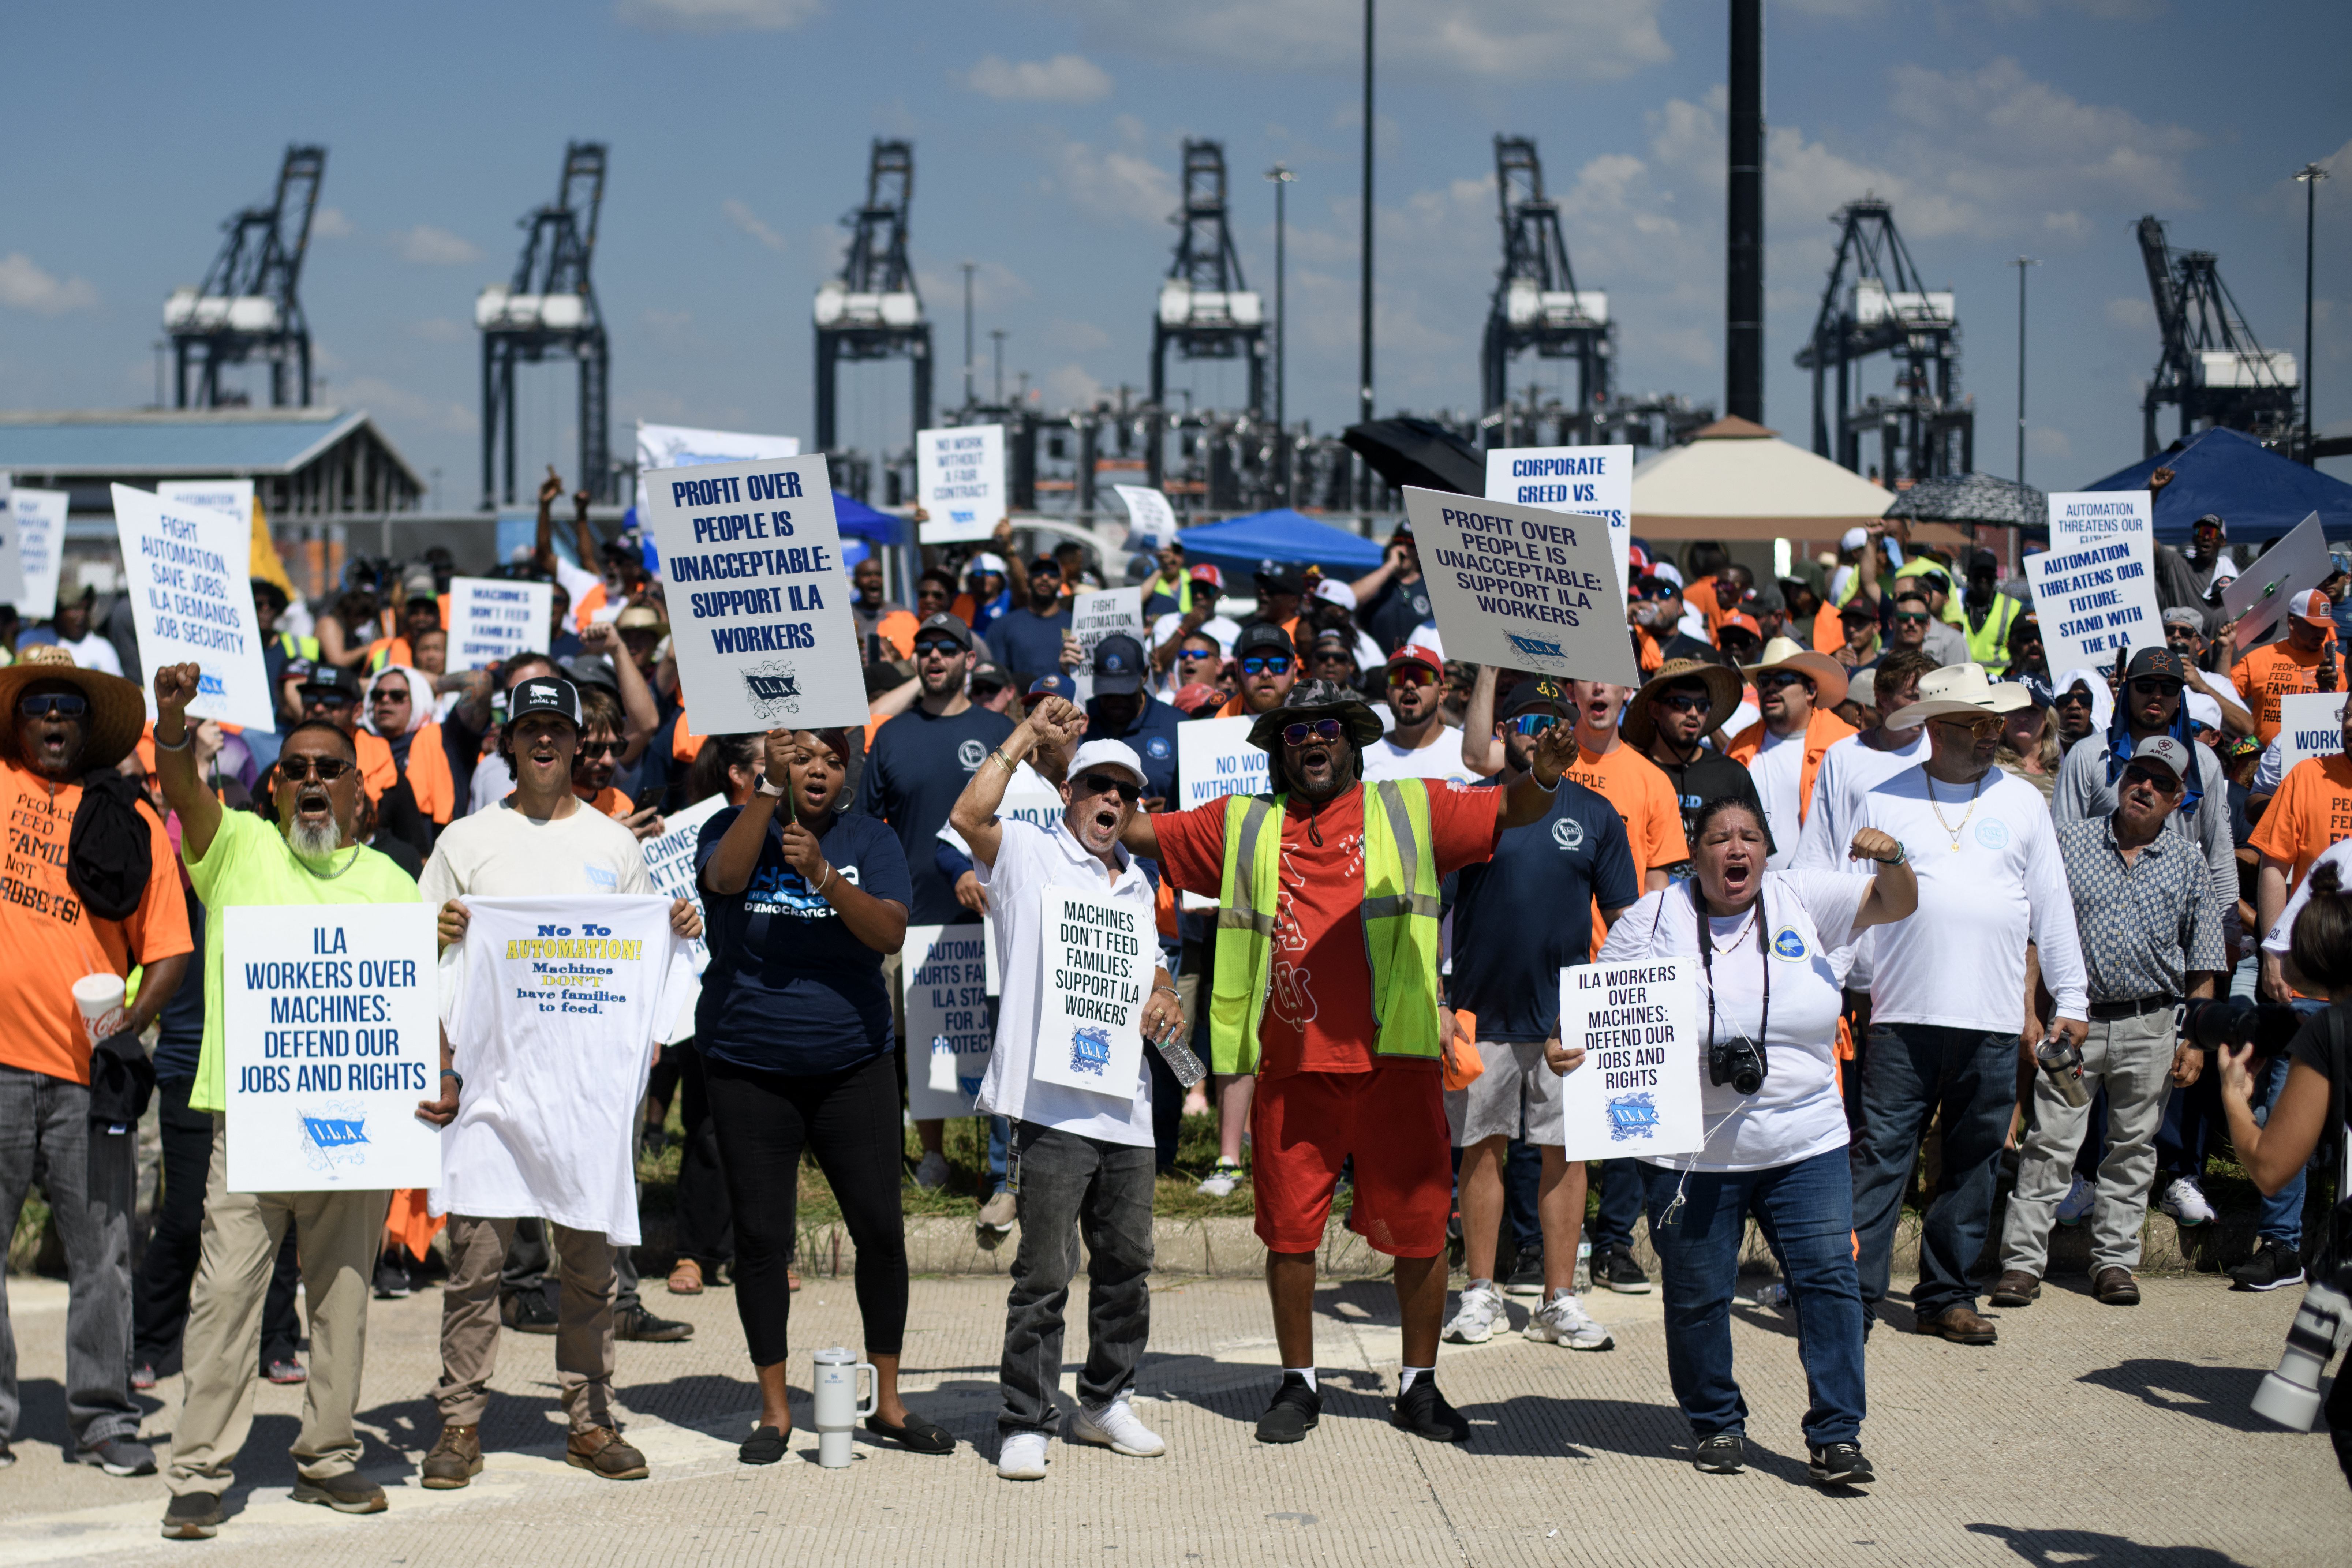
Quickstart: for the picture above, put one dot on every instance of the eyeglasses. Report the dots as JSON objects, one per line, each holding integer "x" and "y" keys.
{"x": 1321, "y": 730}
{"x": 591, "y": 749}
{"x": 1912, "y": 617}
{"x": 1979, "y": 728}
{"x": 53, "y": 704}
{"x": 1686, "y": 701}
{"x": 944, "y": 649}
{"x": 1110, "y": 783}
{"x": 390, "y": 694}
{"x": 1267, "y": 664}
{"x": 981, "y": 690}
{"x": 2181, "y": 633}
{"x": 1412, "y": 677}
{"x": 325, "y": 699}
{"x": 2164, "y": 784}
{"x": 301, "y": 770}
{"x": 2072, "y": 699}
{"x": 1531, "y": 724}
{"x": 2154, "y": 686}
{"x": 1779, "y": 679}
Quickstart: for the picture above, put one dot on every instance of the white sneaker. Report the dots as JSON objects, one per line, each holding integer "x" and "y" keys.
{"x": 1115, "y": 1427}
{"x": 1023, "y": 1458}
{"x": 1474, "y": 1319}
{"x": 1562, "y": 1322}
{"x": 2185, "y": 1202}
{"x": 932, "y": 1173}
{"x": 996, "y": 1216}
{"x": 1221, "y": 1179}
{"x": 2078, "y": 1201}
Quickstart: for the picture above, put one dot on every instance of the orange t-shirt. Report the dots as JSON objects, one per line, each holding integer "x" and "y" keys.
{"x": 2270, "y": 672}
{"x": 2312, "y": 810}
{"x": 52, "y": 941}
{"x": 1645, "y": 798}
{"x": 609, "y": 801}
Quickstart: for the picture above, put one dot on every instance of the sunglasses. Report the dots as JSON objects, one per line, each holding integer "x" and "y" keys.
{"x": 1267, "y": 664}
{"x": 1531, "y": 724}
{"x": 1195, "y": 655}
{"x": 1411, "y": 678}
{"x": 1321, "y": 730}
{"x": 1779, "y": 678}
{"x": 301, "y": 770}
{"x": 1979, "y": 728}
{"x": 53, "y": 704}
{"x": 2154, "y": 686}
{"x": 390, "y": 694}
{"x": 1912, "y": 617}
{"x": 1686, "y": 701}
{"x": 325, "y": 699}
{"x": 981, "y": 690}
{"x": 2072, "y": 699}
{"x": 944, "y": 649}
{"x": 591, "y": 749}
{"x": 2163, "y": 784}
{"x": 1110, "y": 783}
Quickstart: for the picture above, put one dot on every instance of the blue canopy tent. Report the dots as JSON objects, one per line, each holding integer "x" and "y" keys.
{"x": 1238, "y": 544}
{"x": 2253, "y": 490}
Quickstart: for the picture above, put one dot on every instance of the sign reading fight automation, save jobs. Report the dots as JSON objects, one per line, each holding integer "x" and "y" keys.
{"x": 1593, "y": 482}
{"x": 959, "y": 475}
{"x": 1636, "y": 1092}
{"x": 330, "y": 1020}
{"x": 944, "y": 971}
{"x": 192, "y": 599}
{"x": 491, "y": 619}
{"x": 1096, "y": 966}
{"x": 759, "y": 605}
{"x": 1522, "y": 586}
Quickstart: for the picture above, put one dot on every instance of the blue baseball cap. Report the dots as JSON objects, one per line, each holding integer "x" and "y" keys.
{"x": 1118, "y": 666}
{"x": 1053, "y": 684}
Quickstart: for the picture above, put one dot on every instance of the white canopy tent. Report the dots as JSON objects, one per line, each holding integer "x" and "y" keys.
{"x": 1737, "y": 481}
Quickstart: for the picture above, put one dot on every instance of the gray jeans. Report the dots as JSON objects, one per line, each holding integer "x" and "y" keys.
{"x": 2133, "y": 1058}
{"x": 1065, "y": 1185}
{"x": 88, "y": 1174}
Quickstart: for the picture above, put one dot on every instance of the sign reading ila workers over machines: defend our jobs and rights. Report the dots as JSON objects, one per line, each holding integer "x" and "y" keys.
{"x": 1522, "y": 586}
{"x": 1636, "y": 1092}
{"x": 759, "y": 603}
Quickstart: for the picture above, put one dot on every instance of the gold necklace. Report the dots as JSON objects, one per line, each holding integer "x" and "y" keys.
{"x": 1951, "y": 831}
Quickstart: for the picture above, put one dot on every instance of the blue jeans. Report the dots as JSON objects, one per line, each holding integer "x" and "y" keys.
{"x": 1806, "y": 1212}
{"x": 1069, "y": 1188}
{"x": 1914, "y": 1071}
{"x": 2279, "y": 1218}
{"x": 1522, "y": 1177}
{"x": 1621, "y": 1204}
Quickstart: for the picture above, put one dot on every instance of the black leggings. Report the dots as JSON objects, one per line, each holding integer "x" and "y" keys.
{"x": 850, "y": 1121}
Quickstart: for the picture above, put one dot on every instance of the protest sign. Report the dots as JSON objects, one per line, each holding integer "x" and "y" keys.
{"x": 1095, "y": 969}
{"x": 192, "y": 600}
{"x": 669, "y": 862}
{"x": 12, "y": 561}
{"x": 233, "y": 496}
{"x": 1637, "y": 1091}
{"x": 491, "y": 619}
{"x": 1147, "y": 511}
{"x": 1102, "y": 613}
{"x": 683, "y": 447}
{"x": 330, "y": 1020}
{"x": 960, "y": 478}
{"x": 2258, "y": 598}
{"x": 1029, "y": 797}
{"x": 1214, "y": 759}
{"x": 759, "y": 605}
{"x": 2311, "y": 725}
{"x": 1593, "y": 482}
{"x": 943, "y": 973}
{"x": 40, "y": 539}
{"x": 2081, "y": 519}
{"x": 1522, "y": 586}
{"x": 2093, "y": 599}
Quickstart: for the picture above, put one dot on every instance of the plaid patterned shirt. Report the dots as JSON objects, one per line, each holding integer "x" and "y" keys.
{"x": 2146, "y": 927}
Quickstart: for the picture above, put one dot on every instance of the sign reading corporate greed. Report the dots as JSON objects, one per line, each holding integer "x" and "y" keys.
{"x": 759, "y": 605}
{"x": 1523, "y": 587}
{"x": 1592, "y": 481}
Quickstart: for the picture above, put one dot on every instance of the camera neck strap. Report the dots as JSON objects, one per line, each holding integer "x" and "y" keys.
{"x": 1706, "y": 960}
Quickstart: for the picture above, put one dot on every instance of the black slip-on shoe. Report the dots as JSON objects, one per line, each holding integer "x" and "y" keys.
{"x": 1294, "y": 1412}
{"x": 1424, "y": 1412}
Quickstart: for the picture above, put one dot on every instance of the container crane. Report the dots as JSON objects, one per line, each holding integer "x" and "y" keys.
{"x": 550, "y": 311}
{"x": 872, "y": 311}
{"x": 1877, "y": 303}
{"x": 1206, "y": 309}
{"x": 1537, "y": 304}
{"x": 2210, "y": 365}
{"x": 249, "y": 307}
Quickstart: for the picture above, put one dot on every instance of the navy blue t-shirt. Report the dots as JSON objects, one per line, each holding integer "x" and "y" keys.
{"x": 1153, "y": 736}
{"x": 789, "y": 989}
{"x": 1027, "y": 643}
{"x": 1522, "y": 917}
{"x": 917, "y": 767}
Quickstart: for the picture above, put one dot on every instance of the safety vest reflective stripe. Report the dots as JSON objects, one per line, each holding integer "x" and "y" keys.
{"x": 1988, "y": 644}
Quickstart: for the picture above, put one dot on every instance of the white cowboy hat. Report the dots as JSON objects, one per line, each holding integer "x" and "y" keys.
{"x": 1959, "y": 689}
{"x": 1827, "y": 674}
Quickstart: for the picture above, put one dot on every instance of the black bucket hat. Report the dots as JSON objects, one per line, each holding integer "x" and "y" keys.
{"x": 1313, "y": 699}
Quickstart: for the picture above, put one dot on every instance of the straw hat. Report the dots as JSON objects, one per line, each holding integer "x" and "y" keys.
{"x": 1959, "y": 689}
{"x": 117, "y": 710}
{"x": 1724, "y": 697}
{"x": 1785, "y": 653}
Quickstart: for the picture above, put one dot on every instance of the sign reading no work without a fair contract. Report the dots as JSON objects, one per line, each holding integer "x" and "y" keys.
{"x": 943, "y": 972}
{"x": 1096, "y": 967}
{"x": 959, "y": 475}
{"x": 329, "y": 1021}
{"x": 2311, "y": 725}
{"x": 1636, "y": 1092}
{"x": 1522, "y": 586}
{"x": 192, "y": 599}
{"x": 1592, "y": 481}
{"x": 1147, "y": 511}
{"x": 491, "y": 619}
{"x": 759, "y": 605}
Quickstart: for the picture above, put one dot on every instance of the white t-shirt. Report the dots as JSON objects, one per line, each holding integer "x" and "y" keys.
{"x": 1991, "y": 879}
{"x": 1848, "y": 770}
{"x": 1797, "y": 1113}
{"x": 1778, "y": 770}
{"x": 1030, "y": 858}
{"x": 500, "y": 853}
{"x": 1218, "y": 627}
{"x": 2279, "y": 937}
{"x": 552, "y": 1006}
{"x": 94, "y": 652}
{"x": 1440, "y": 759}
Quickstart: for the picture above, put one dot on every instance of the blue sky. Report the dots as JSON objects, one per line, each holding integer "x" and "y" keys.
{"x": 1047, "y": 136}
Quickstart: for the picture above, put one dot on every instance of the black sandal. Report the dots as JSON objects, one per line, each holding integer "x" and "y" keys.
{"x": 764, "y": 1447}
{"x": 917, "y": 1437}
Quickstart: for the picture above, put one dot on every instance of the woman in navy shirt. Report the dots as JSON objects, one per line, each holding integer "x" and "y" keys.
{"x": 803, "y": 902}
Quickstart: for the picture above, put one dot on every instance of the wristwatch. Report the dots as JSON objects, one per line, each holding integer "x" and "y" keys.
{"x": 763, "y": 787}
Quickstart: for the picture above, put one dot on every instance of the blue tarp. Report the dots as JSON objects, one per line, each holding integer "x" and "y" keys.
{"x": 856, "y": 517}
{"x": 2253, "y": 490}
{"x": 1238, "y": 544}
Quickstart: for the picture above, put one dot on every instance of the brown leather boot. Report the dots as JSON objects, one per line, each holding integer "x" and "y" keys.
{"x": 600, "y": 1452}
{"x": 1961, "y": 1324}
{"x": 2115, "y": 1286}
{"x": 2015, "y": 1287}
{"x": 456, "y": 1459}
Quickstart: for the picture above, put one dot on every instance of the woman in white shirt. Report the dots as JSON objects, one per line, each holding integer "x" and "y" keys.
{"x": 1775, "y": 1123}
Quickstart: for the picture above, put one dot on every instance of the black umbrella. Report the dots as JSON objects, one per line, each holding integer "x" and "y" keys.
{"x": 1972, "y": 498}
{"x": 1419, "y": 452}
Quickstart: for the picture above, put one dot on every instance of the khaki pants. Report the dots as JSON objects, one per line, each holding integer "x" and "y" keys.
{"x": 338, "y": 1236}
{"x": 469, "y": 1322}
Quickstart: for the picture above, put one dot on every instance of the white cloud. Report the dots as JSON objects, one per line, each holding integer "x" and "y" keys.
{"x": 429, "y": 247}
{"x": 1122, "y": 187}
{"x": 1069, "y": 386}
{"x": 24, "y": 286}
{"x": 396, "y": 406}
{"x": 329, "y": 223}
{"x": 1065, "y": 79}
{"x": 741, "y": 215}
{"x": 2132, "y": 313}
{"x": 717, "y": 16}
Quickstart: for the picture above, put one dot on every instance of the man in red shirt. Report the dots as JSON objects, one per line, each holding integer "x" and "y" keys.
{"x": 1325, "y": 987}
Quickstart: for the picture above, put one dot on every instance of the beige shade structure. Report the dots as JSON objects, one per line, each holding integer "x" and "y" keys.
{"x": 1735, "y": 479}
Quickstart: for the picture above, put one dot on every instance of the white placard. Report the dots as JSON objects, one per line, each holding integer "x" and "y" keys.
{"x": 1147, "y": 511}
{"x": 1637, "y": 1090}
{"x": 233, "y": 496}
{"x": 330, "y": 1026}
{"x": 491, "y": 619}
{"x": 1031, "y": 798}
{"x": 11, "y": 559}
{"x": 669, "y": 862}
{"x": 1214, "y": 759}
{"x": 1592, "y": 481}
{"x": 959, "y": 477}
{"x": 2079, "y": 519}
{"x": 683, "y": 447}
{"x": 1100, "y": 613}
{"x": 2311, "y": 725}
{"x": 2094, "y": 599}
{"x": 1095, "y": 968}
{"x": 759, "y": 603}
{"x": 40, "y": 535}
{"x": 1523, "y": 587}
{"x": 2261, "y": 594}
{"x": 185, "y": 569}
{"x": 944, "y": 977}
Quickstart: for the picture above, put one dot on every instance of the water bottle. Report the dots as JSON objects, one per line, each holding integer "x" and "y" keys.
{"x": 2063, "y": 1060}
{"x": 1775, "y": 1295}
{"x": 1583, "y": 1267}
{"x": 837, "y": 1408}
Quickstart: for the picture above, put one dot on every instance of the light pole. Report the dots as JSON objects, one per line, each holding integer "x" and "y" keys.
{"x": 996, "y": 335}
{"x": 967, "y": 335}
{"x": 2310, "y": 174}
{"x": 2022, "y": 263}
{"x": 1364, "y": 327}
{"x": 1282, "y": 177}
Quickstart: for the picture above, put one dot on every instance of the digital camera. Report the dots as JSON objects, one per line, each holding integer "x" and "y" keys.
{"x": 1737, "y": 1061}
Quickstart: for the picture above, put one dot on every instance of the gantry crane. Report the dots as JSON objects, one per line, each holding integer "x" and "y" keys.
{"x": 1877, "y": 303}
{"x": 550, "y": 311}
{"x": 1206, "y": 309}
{"x": 2210, "y": 365}
{"x": 1537, "y": 302}
{"x": 872, "y": 310}
{"x": 249, "y": 306}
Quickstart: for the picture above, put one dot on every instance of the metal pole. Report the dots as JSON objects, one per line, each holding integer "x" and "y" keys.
{"x": 996, "y": 336}
{"x": 1281, "y": 177}
{"x": 2310, "y": 174}
{"x": 967, "y": 335}
{"x": 1364, "y": 331}
{"x": 1743, "y": 355}
{"x": 2022, "y": 263}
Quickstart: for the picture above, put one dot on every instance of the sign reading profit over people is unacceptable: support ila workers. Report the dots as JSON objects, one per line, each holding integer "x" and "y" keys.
{"x": 759, "y": 605}
{"x": 1522, "y": 586}
{"x": 1592, "y": 481}
{"x": 1636, "y": 1092}
{"x": 192, "y": 597}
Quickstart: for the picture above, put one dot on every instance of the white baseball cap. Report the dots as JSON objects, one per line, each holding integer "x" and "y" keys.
{"x": 1107, "y": 755}
{"x": 1855, "y": 539}
{"x": 1338, "y": 593}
